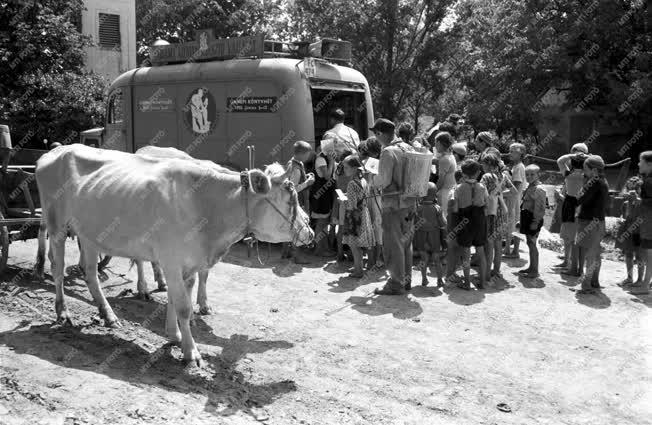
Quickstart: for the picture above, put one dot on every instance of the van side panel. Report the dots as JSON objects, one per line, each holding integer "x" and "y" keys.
{"x": 155, "y": 112}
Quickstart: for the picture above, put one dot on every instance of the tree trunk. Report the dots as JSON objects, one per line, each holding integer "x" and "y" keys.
{"x": 386, "y": 104}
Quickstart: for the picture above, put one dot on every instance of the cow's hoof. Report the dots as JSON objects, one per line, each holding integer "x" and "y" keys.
{"x": 145, "y": 296}
{"x": 162, "y": 287}
{"x": 193, "y": 358}
{"x": 205, "y": 310}
{"x": 64, "y": 319}
{"x": 114, "y": 323}
{"x": 38, "y": 273}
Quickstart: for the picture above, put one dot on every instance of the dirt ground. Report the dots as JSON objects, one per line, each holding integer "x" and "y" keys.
{"x": 289, "y": 344}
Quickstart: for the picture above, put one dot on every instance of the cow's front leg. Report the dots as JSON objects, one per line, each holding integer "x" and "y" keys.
{"x": 158, "y": 276}
{"x": 56, "y": 254}
{"x": 202, "y": 299}
{"x": 90, "y": 269}
{"x": 178, "y": 292}
{"x": 142, "y": 285}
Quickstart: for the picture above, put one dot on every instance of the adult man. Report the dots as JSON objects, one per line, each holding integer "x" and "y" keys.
{"x": 398, "y": 210}
{"x": 344, "y": 137}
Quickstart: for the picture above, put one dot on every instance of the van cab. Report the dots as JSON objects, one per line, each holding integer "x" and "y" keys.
{"x": 215, "y": 97}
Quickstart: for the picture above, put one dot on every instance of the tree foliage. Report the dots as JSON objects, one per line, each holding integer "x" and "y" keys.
{"x": 45, "y": 92}
{"x": 595, "y": 54}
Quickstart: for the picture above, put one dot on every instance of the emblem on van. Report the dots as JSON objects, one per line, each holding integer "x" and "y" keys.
{"x": 200, "y": 113}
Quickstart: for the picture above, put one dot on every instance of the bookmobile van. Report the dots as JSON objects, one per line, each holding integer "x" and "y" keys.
{"x": 215, "y": 97}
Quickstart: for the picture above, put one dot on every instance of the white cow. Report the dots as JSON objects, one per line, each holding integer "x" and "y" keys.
{"x": 113, "y": 200}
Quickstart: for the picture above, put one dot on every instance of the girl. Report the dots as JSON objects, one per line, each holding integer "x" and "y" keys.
{"x": 645, "y": 168}
{"x": 470, "y": 200}
{"x": 358, "y": 232}
{"x": 629, "y": 234}
{"x": 371, "y": 149}
{"x": 430, "y": 227}
{"x": 516, "y": 152}
{"x": 497, "y": 186}
{"x": 445, "y": 169}
{"x": 593, "y": 201}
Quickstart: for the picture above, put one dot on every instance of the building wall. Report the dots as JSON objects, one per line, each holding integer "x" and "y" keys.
{"x": 111, "y": 62}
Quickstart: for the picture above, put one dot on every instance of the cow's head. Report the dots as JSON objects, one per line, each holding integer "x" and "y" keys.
{"x": 275, "y": 212}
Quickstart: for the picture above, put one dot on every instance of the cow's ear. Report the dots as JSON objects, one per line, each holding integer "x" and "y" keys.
{"x": 259, "y": 182}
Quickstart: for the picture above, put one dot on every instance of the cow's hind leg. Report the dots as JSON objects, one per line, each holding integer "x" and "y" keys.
{"x": 56, "y": 254}
{"x": 202, "y": 299}
{"x": 158, "y": 276}
{"x": 39, "y": 267}
{"x": 179, "y": 295}
{"x": 141, "y": 285}
{"x": 90, "y": 264}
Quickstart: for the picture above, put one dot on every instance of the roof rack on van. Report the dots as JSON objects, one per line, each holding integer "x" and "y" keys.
{"x": 206, "y": 47}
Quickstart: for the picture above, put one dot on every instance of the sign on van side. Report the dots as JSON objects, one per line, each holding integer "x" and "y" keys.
{"x": 251, "y": 104}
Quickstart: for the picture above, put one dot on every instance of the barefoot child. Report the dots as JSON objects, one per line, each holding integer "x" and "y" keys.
{"x": 302, "y": 181}
{"x": 516, "y": 152}
{"x": 593, "y": 201}
{"x": 572, "y": 166}
{"x": 629, "y": 234}
{"x": 430, "y": 227}
{"x": 533, "y": 209}
{"x": 357, "y": 231}
{"x": 497, "y": 186}
{"x": 645, "y": 168}
{"x": 470, "y": 201}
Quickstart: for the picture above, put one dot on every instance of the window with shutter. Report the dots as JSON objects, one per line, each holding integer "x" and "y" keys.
{"x": 109, "y": 30}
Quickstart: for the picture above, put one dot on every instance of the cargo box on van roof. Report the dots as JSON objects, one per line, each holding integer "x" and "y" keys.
{"x": 213, "y": 109}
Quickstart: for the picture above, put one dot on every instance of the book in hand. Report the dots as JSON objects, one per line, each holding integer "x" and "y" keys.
{"x": 341, "y": 196}
{"x": 371, "y": 165}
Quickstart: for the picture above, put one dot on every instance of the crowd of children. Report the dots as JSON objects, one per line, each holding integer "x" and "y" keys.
{"x": 474, "y": 200}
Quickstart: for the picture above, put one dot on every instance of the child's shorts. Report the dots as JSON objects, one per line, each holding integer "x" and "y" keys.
{"x": 427, "y": 240}
{"x": 527, "y": 218}
{"x": 589, "y": 233}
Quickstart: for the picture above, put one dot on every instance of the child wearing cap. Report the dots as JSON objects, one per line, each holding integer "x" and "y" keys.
{"x": 297, "y": 174}
{"x": 322, "y": 194}
{"x": 533, "y": 209}
{"x": 470, "y": 201}
{"x": 357, "y": 231}
{"x": 429, "y": 238}
{"x": 516, "y": 153}
{"x": 573, "y": 170}
{"x": 446, "y": 166}
{"x": 645, "y": 168}
{"x": 593, "y": 201}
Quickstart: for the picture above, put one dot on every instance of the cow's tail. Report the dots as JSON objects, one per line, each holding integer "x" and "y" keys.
{"x": 132, "y": 263}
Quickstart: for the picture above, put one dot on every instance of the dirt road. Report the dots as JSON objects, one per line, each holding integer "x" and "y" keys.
{"x": 288, "y": 344}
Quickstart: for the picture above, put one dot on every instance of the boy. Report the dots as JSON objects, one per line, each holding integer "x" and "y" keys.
{"x": 593, "y": 201}
{"x": 573, "y": 182}
{"x": 470, "y": 200}
{"x": 532, "y": 212}
{"x": 516, "y": 152}
{"x": 430, "y": 229}
{"x": 302, "y": 151}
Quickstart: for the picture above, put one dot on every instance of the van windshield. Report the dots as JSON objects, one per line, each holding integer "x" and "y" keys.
{"x": 351, "y": 102}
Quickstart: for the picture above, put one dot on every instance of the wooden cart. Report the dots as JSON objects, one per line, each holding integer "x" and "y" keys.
{"x": 20, "y": 212}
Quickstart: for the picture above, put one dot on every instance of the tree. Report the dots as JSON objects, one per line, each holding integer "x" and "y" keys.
{"x": 514, "y": 53}
{"x": 45, "y": 92}
{"x": 397, "y": 44}
{"x": 176, "y": 21}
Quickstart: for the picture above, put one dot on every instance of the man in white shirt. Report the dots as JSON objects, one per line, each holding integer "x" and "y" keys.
{"x": 344, "y": 137}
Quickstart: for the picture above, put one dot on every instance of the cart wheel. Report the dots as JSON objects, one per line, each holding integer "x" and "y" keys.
{"x": 4, "y": 245}
{"x": 104, "y": 261}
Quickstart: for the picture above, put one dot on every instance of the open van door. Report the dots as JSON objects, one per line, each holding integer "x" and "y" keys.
{"x": 115, "y": 129}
